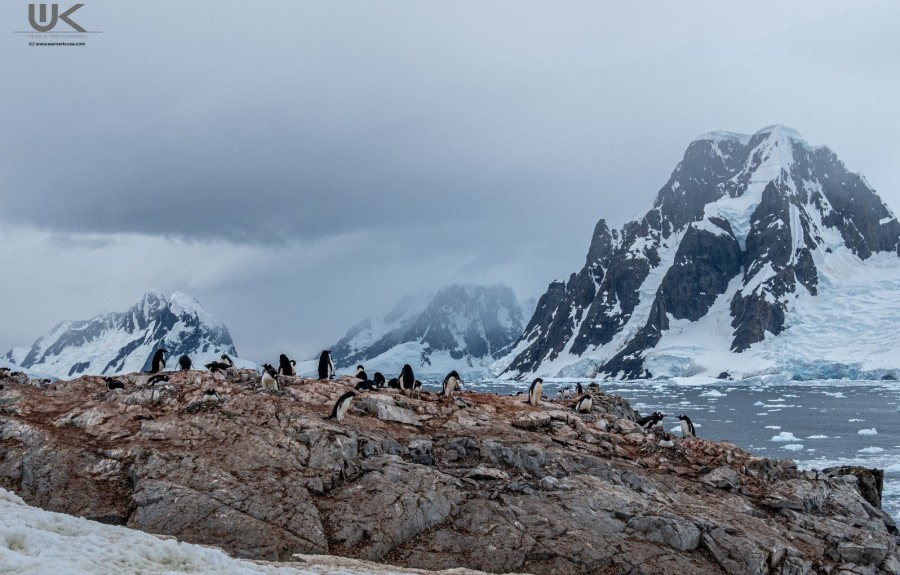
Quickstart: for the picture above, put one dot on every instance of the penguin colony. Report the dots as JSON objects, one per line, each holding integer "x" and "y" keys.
{"x": 406, "y": 382}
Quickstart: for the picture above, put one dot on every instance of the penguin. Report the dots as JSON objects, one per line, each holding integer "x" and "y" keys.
{"x": 112, "y": 384}
{"x": 210, "y": 395}
{"x": 585, "y": 404}
{"x": 220, "y": 365}
{"x": 326, "y": 366}
{"x": 284, "y": 365}
{"x": 157, "y": 378}
{"x": 361, "y": 373}
{"x": 406, "y": 379}
{"x": 184, "y": 362}
{"x": 451, "y": 382}
{"x": 293, "y": 367}
{"x": 564, "y": 392}
{"x": 159, "y": 360}
{"x": 650, "y": 420}
{"x": 394, "y": 383}
{"x": 269, "y": 379}
{"x": 379, "y": 379}
{"x": 367, "y": 385}
{"x": 687, "y": 426}
{"x": 341, "y": 406}
{"x": 579, "y": 389}
{"x": 534, "y": 391}
{"x": 666, "y": 441}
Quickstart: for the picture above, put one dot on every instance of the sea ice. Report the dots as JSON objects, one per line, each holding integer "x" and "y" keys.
{"x": 773, "y": 427}
{"x": 870, "y": 450}
{"x": 817, "y": 437}
{"x": 784, "y": 436}
{"x": 867, "y": 431}
{"x": 793, "y": 447}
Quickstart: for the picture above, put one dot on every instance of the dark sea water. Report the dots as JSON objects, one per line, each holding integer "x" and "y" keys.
{"x": 818, "y": 424}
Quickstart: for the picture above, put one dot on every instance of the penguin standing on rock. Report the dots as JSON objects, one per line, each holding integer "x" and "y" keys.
{"x": 687, "y": 426}
{"x": 451, "y": 383}
{"x": 159, "y": 361}
{"x": 579, "y": 389}
{"x": 184, "y": 362}
{"x": 112, "y": 384}
{"x": 407, "y": 378}
{"x": 534, "y": 391}
{"x": 666, "y": 441}
{"x": 269, "y": 379}
{"x": 284, "y": 365}
{"x": 210, "y": 395}
{"x": 361, "y": 373}
{"x": 585, "y": 404}
{"x": 326, "y": 366}
{"x": 341, "y": 406}
{"x": 379, "y": 380}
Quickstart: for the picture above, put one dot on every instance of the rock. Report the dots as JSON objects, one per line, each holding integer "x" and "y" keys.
{"x": 266, "y": 476}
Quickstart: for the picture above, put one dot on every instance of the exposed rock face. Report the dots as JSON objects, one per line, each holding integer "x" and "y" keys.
{"x": 750, "y": 220}
{"x": 122, "y": 342}
{"x": 478, "y": 481}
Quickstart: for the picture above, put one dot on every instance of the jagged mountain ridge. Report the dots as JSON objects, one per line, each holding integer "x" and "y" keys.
{"x": 461, "y": 327}
{"x": 116, "y": 342}
{"x": 745, "y": 221}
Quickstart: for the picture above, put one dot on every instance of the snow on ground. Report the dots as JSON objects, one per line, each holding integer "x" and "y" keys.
{"x": 37, "y": 542}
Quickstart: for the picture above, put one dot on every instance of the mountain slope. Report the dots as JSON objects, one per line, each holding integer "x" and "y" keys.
{"x": 124, "y": 342}
{"x": 462, "y": 327}
{"x": 745, "y": 231}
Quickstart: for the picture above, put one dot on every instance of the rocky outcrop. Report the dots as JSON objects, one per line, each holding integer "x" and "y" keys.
{"x": 479, "y": 481}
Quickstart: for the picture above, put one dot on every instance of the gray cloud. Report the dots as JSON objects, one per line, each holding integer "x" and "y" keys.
{"x": 333, "y": 156}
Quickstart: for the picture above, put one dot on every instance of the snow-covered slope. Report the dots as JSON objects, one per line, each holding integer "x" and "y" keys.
{"x": 125, "y": 342}
{"x": 760, "y": 254}
{"x": 462, "y": 327}
{"x": 38, "y": 542}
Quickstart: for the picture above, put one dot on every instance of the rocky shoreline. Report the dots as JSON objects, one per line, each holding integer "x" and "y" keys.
{"x": 479, "y": 481}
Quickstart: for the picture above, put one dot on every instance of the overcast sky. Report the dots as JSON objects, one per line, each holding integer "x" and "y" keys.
{"x": 299, "y": 166}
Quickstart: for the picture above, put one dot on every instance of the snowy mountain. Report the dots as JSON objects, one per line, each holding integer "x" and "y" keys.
{"x": 761, "y": 254}
{"x": 462, "y": 327}
{"x": 125, "y": 342}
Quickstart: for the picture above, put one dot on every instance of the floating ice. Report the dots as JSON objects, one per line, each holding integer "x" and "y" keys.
{"x": 817, "y": 437}
{"x": 855, "y": 420}
{"x": 759, "y": 404}
{"x": 773, "y": 427}
{"x": 836, "y": 394}
{"x": 712, "y": 393}
{"x": 867, "y": 431}
{"x": 793, "y": 446}
{"x": 870, "y": 450}
{"x": 784, "y": 436}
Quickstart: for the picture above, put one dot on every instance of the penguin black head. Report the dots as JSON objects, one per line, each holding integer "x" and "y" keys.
{"x": 682, "y": 417}
{"x": 360, "y": 367}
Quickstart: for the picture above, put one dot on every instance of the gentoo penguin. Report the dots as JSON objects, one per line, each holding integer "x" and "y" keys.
{"x": 341, "y": 406}
{"x": 585, "y": 404}
{"x": 564, "y": 392}
{"x": 406, "y": 379}
{"x": 579, "y": 389}
{"x": 650, "y": 420}
{"x": 157, "y": 378}
{"x": 534, "y": 392}
{"x": 210, "y": 395}
{"x": 184, "y": 362}
{"x": 159, "y": 361}
{"x": 687, "y": 426}
{"x": 378, "y": 378}
{"x": 113, "y": 383}
{"x": 666, "y": 441}
{"x": 326, "y": 367}
{"x": 269, "y": 379}
{"x": 394, "y": 383}
{"x": 293, "y": 367}
{"x": 367, "y": 385}
{"x": 284, "y": 365}
{"x": 451, "y": 382}
{"x": 361, "y": 373}
{"x": 220, "y": 365}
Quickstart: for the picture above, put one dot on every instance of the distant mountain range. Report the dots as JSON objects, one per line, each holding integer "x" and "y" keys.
{"x": 462, "y": 327}
{"x": 761, "y": 254}
{"x": 125, "y": 342}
